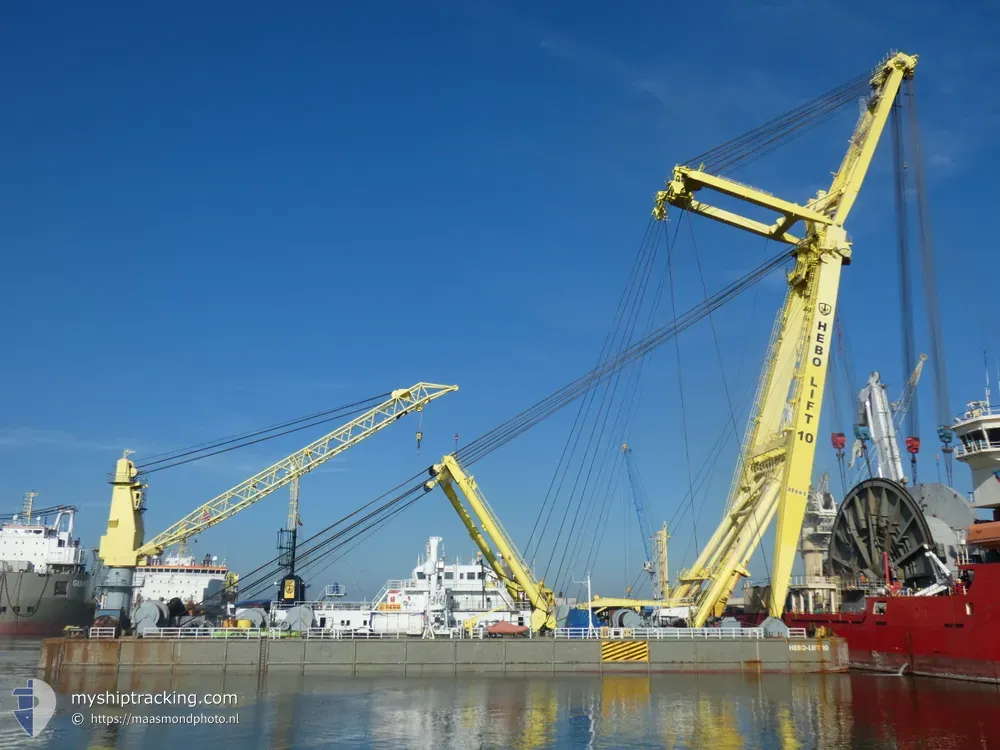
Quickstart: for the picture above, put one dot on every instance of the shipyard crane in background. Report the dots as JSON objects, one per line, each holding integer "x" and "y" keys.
{"x": 878, "y": 422}
{"x": 654, "y": 543}
{"x": 774, "y": 469}
{"x": 122, "y": 547}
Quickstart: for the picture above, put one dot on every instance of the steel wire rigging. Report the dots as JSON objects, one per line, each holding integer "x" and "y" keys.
{"x": 197, "y": 452}
{"x": 333, "y": 538}
{"x": 730, "y": 156}
{"x": 762, "y": 140}
{"x": 617, "y": 337}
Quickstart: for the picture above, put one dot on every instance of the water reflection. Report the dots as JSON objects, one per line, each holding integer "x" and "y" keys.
{"x": 293, "y": 712}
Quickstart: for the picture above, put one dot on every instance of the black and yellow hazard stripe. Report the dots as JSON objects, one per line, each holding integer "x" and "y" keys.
{"x": 625, "y": 651}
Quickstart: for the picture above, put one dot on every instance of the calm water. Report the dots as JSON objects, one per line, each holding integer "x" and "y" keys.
{"x": 295, "y": 712}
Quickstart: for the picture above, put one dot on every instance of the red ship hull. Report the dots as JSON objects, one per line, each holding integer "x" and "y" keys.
{"x": 955, "y": 636}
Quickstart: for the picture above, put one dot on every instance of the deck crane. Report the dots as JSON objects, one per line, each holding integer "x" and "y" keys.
{"x": 773, "y": 472}
{"x": 654, "y": 543}
{"x": 900, "y": 407}
{"x": 122, "y": 547}
{"x": 507, "y": 562}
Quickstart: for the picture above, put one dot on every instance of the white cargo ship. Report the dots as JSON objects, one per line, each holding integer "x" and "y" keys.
{"x": 43, "y": 578}
{"x": 437, "y": 599}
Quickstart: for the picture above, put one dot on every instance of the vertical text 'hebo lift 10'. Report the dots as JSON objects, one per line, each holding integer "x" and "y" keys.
{"x": 776, "y": 460}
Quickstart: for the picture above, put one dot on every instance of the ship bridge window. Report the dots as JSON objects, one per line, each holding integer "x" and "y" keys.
{"x": 449, "y": 576}
{"x": 421, "y": 576}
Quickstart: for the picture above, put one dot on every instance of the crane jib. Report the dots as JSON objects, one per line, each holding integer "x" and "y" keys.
{"x": 123, "y": 546}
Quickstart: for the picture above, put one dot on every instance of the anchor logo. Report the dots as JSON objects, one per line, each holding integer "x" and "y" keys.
{"x": 824, "y": 309}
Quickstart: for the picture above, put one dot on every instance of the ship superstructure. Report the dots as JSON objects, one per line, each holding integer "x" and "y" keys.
{"x": 43, "y": 579}
{"x": 978, "y": 432}
{"x": 177, "y": 576}
{"x": 438, "y": 598}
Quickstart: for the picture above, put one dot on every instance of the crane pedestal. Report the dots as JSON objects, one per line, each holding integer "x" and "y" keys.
{"x": 117, "y": 587}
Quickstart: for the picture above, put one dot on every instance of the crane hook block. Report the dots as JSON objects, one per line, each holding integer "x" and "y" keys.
{"x": 420, "y": 436}
{"x": 913, "y": 445}
{"x": 839, "y": 440}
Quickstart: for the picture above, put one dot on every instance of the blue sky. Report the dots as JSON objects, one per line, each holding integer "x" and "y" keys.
{"x": 218, "y": 219}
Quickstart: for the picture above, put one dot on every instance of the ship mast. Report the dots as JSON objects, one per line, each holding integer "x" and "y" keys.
{"x": 29, "y": 499}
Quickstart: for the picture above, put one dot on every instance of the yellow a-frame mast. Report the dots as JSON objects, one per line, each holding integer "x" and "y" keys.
{"x": 776, "y": 460}
{"x": 510, "y": 566}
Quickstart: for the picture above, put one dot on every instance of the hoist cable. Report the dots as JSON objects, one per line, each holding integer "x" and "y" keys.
{"x": 530, "y": 417}
{"x": 299, "y": 428}
{"x": 777, "y": 124}
{"x": 610, "y": 389}
{"x": 416, "y": 482}
{"x": 761, "y": 150}
{"x": 334, "y": 413}
{"x": 341, "y": 537}
{"x": 584, "y": 405}
{"x": 782, "y": 129}
{"x": 639, "y": 272}
{"x": 715, "y": 335}
{"x": 680, "y": 382}
{"x": 364, "y": 522}
{"x": 358, "y": 537}
{"x": 932, "y": 303}
{"x": 539, "y": 411}
{"x": 903, "y": 256}
{"x": 624, "y": 417}
{"x": 838, "y": 423}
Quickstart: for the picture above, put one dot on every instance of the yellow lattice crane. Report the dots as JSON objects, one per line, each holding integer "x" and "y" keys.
{"x": 509, "y": 564}
{"x": 122, "y": 547}
{"x": 776, "y": 460}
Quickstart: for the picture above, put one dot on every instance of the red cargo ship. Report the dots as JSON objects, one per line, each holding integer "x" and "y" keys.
{"x": 955, "y": 635}
{"x": 943, "y": 628}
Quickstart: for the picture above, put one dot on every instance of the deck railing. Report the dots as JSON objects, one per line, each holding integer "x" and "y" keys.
{"x": 478, "y": 633}
{"x": 348, "y": 635}
{"x": 671, "y": 634}
{"x": 245, "y": 633}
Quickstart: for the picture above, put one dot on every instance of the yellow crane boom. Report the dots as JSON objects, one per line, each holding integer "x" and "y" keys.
{"x": 122, "y": 544}
{"x": 776, "y": 460}
{"x": 516, "y": 576}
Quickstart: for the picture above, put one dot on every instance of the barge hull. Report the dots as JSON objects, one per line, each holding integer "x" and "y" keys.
{"x": 412, "y": 657}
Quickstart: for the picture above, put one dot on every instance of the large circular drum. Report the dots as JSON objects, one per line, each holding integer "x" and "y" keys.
{"x": 880, "y": 518}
